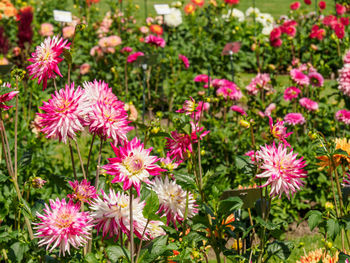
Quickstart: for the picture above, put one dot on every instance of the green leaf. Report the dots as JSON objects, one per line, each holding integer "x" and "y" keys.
{"x": 267, "y": 225}
{"x": 67, "y": 55}
{"x": 315, "y": 218}
{"x": 115, "y": 252}
{"x": 90, "y": 258}
{"x": 229, "y": 205}
{"x": 151, "y": 207}
{"x": 242, "y": 161}
{"x": 185, "y": 180}
{"x": 340, "y": 151}
{"x": 280, "y": 249}
{"x": 17, "y": 251}
{"x": 333, "y": 228}
{"x": 3, "y": 178}
{"x": 156, "y": 250}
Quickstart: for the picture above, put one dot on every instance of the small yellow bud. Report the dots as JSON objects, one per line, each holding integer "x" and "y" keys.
{"x": 208, "y": 99}
{"x": 237, "y": 28}
{"x": 244, "y": 124}
{"x": 137, "y": 6}
{"x": 155, "y": 130}
{"x": 329, "y": 206}
{"x": 202, "y": 152}
{"x": 332, "y": 128}
{"x": 329, "y": 244}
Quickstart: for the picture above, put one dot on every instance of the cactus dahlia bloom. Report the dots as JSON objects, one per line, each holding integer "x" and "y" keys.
{"x": 343, "y": 116}
{"x": 63, "y": 225}
{"x": 7, "y": 96}
{"x": 344, "y": 80}
{"x": 299, "y": 77}
{"x": 98, "y": 91}
{"x": 291, "y": 93}
{"x": 45, "y": 59}
{"x": 82, "y": 192}
{"x": 132, "y": 165}
{"x": 172, "y": 200}
{"x": 63, "y": 115}
{"x": 155, "y": 229}
{"x": 294, "y": 119}
{"x": 111, "y": 215}
{"x": 283, "y": 170}
{"x": 308, "y": 104}
{"x": 319, "y": 255}
{"x": 279, "y": 131}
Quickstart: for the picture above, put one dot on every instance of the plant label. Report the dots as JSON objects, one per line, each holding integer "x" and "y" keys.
{"x": 162, "y": 9}
{"x": 62, "y": 16}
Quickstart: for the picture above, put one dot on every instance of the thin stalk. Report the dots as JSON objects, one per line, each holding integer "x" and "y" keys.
{"x": 98, "y": 164}
{"x": 69, "y": 69}
{"x": 72, "y": 159}
{"x": 54, "y": 83}
{"x": 16, "y": 129}
{"x": 80, "y": 159}
{"x": 90, "y": 151}
{"x": 131, "y": 228}
{"x": 139, "y": 248}
{"x": 6, "y": 145}
{"x": 126, "y": 79}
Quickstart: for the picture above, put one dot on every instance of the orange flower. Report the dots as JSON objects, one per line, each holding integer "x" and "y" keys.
{"x": 318, "y": 256}
{"x": 342, "y": 144}
{"x": 189, "y": 8}
{"x": 156, "y": 29}
{"x": 198, "y": 2}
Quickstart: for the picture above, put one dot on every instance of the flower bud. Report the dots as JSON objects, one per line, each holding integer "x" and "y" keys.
{"x": 329, "y": 206}
{"x": 38, "y": 182}
{"x": 244, "y": 124}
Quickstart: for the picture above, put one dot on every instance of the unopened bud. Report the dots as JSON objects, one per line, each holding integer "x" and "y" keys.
{"x": 38, "y": 182}
{"x": 244, "y": 124}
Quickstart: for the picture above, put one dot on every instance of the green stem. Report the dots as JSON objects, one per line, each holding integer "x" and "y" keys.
{"x": 90, "y": 151}
{"x": 80, "y": 159}
{"x": 72, "y": 159}
{"x": 131, "y": 228}
{"x": 98, "y": 164}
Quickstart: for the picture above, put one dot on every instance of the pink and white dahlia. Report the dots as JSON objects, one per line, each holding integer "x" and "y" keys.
{"x": 98, "y": 91}
{"x": 63, "y": 114}
{"x": 279, "y": 131}
{"x": 184, "y": 60}
{"x": 132, "y": 165}
{"x": 46, "y": 58}
{"x": 346, "y": 58}
{"x": 169, "y": 163}
{"x": 154, "y": 40}
{"x": 111, "y": 215}
{"x": 269, "y": 109}
{"x": 63, "y": 225}
{"x": 343, "y": 116}
{"x": 282, "y": 169}
{"x": 200, "y": 109}
{"x": 252, "y": 155}
{"x": 308, "y": 104}
{"x": 132, "y": 57}
{"x": 258, "y": 83}
{"x": 299, "y": 77}
{"x": 82, "y": 192}
{"x": 230, "y": 91}
{"x": 155, "y": 229}
{"x": 294, "y": 119}
{"x": 188, "y": 107}
{"x": 316, "y": 79}
{"x": 172, "y": 200}
{"x": 344, "y": 80}
{"x": 239, "y": 110}
{"x": 291, "y": 93}
{"x": 6, "y": 96}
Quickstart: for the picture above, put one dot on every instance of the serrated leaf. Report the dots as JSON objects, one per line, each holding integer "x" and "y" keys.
{"x": 17, "y": 251}
{"x": 115, "y": 252}
{"x": 90, "y": 258}
{"x": 333, "y": 228}
{"x": 151, "y": 207}
{"x": 185, "y": 180}
{"x": 267, "y": 225}
{"x": 230, "y": 205}
{"x": 280, "y": 249}
{"x": 315, "y": 218}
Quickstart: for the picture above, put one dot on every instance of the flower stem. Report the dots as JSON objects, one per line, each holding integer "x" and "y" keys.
{"x": 98, "y": 164}
{"x": 90, "y": 151}
{"x": 131, "y": 228}
{"x": 80, "y": 159}
{"x": 72, "y": 159}
{"x": 54, "y": 83}
{"x": 16, "y": 130}
{"x": 139, "y": 249}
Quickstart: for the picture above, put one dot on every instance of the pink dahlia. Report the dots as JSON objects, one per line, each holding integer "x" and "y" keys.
{"x": 155, "y": 229}
{"x": 7, "y": 96}
{"x": 126, "y": 50}
{"x": 202, "y": 78}
{"x": 294, "y": 119}
{"x": 308, "y": 104}
{"x": 200, "y": 109}
{"x": 344, "y": 80}
{"x": 239, "y": 110}
{"x": 169, "y": 163}
{"x": 269, "y": 109}
{"x": 230, "y": 91}
{"x": 295, "y": 5}
{"x": 279, "y": 131}
{"x": 172, "y": 201}
{"x": 258, "y": 83}
{"x": 132, "y": 57}
{"x": 111, "y": 215}
{"x": 82, "y": 192}
{"x": 109, "y": 121}
{"x": 343, "y": 116}
{"x": 63, "y": 114}
{"x": 154, "y": 40}
{"x": 346, "y": 58}
{"x": 299, "y": 77}
{"x": 316, "y": 79}
{"x": 46, "y": 58}
{"x": 184, "y": 60}
{"x": 188, "y": 107}
{"x": 63, "y": 225}
{"x": 252, "y": 155}
{"x": 132, "y": 165}
{"x": 283, "y": 170}
{"x": 180, "y": 144}
{"x": 291, "y": 93}
{"x": 98, "y": 91}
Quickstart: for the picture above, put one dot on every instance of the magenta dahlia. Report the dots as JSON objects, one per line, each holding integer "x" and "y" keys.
{"x": 155, "y": 40}
{"x": 132, "y": 57}
{"x": 184, "y": 60}
{"x": 279, "y": 131}
{"x": 344, "y": 80}
{"x": 82, "y": 192}
{"x": 230, "y": 91}
{"x": 63, "y": 114}
{"x": 343, "y": 116}
{"x": 7, "y": 96}
{"x": 291, "y": 93}
{"x": 46, "y": 58}
{"x": 308, "y": 104}
{"x": 132, "y": 165}
{"x": 299, "y": 77}
{"x": 316, "y": 79}
{"x": 282, "y": 169}
{"x": 63, "y": 225}
{"x": 111, "y": 215}
{"x": 294, "y": 119}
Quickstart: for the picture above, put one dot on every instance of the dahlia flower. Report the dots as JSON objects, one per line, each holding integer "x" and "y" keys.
{"x": 174, "y": 18}
{"x": 269, "y": 109}
{"x": 319, "y": 255}
{"x": 239, "y": 110}
{"x": 172, "y": 200}
{"x": 63, "y": 115}
{"x": 200, "y": 109}
{"x": 63, "y": 225}
{"x": 346, "y": 58}
{"x": 201, "y": 78}
{"x": 338, "y": 159}
{"x": 259, "y": 82}
{"x": 308, "y": 104}
{"x": 316, "y": 79}
{"x": 132, "y": 57}
{"x": 279, "y": 131}
{"x": 299, "y": 77}
{"x": 294, "y": 119}
{"x": 295, "y": 5}
{"x": 252, "y": 155}
{"x": 46, "y": 58}
{"x": 84, "y": 68}
{"x": 111, "y": 215}
{"x": 184, "y": 60}
{"x": 68, "y": 31}
{"x": 9, "y": 95}
{"x": 154, "y": 40}
{"x": 343, "y": 116}
{"x": 132, "y": 165}
{"x": 46, "y": 29}
{"x": 156, "y": 29}
{"x": 82, "y": 192}
{"x": 188, "y": 107}
{"x": 230, "y": 91}
{"x": 291, "y": 93}
{"x": 168, "y": 163}
{"x": 344, "y": 80}
{"x": 235, "y": 13}
{"x": 126, "y": 50}
{"x": 109, "y": 121}
{"x": 98, "y": 91}
{"x": 283, "y": 170}
{"x": 155, "y": 229}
